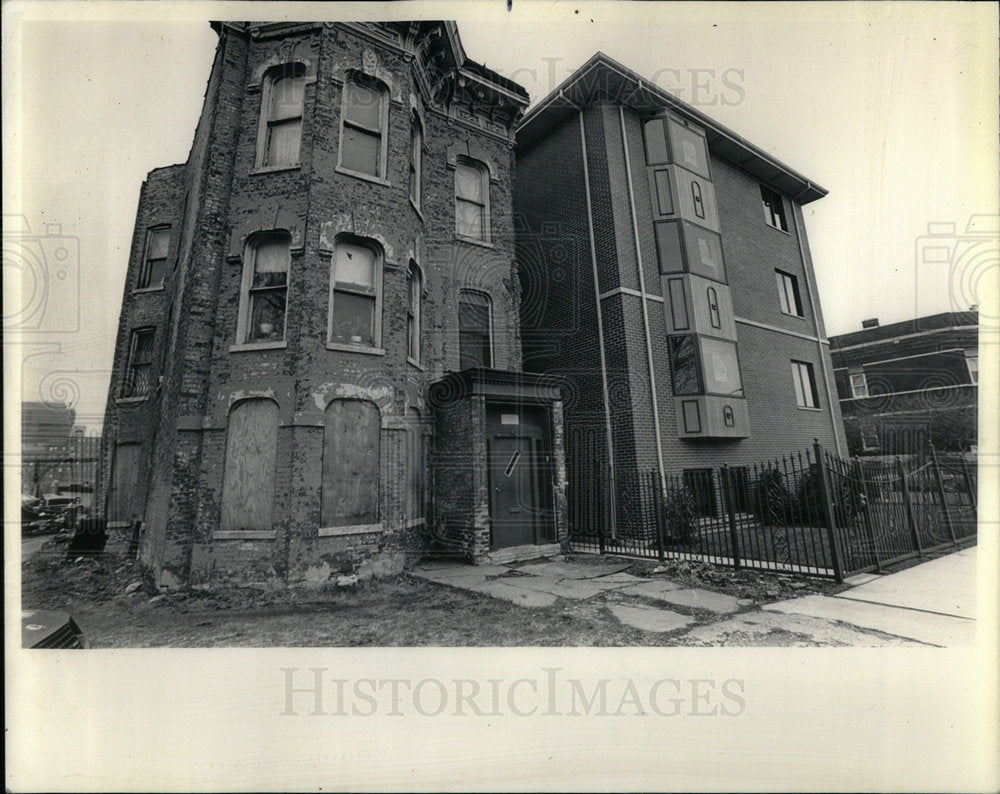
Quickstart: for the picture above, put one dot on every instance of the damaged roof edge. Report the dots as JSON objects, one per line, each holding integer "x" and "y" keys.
{"x": 634, "y": 91}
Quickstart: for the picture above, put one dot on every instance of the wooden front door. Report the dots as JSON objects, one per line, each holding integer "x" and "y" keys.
{"x": 520, "y": 481}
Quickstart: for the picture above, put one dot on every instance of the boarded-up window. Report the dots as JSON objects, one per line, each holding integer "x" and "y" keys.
{"x": 350, "y": 464}
{"x": 121, "y": 504}
{"x": 414, "y": 466}
{"x": 251, "y": 449}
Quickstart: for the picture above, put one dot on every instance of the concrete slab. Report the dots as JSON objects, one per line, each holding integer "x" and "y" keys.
{"x": 523, "y": 597}
{"x": 652, "y": 588}
{"x": 695, "y": 598}
{"x": 926, "y": 627}
{"x": 861, "y": 578}
{"x": 770, "y": 629}
{"x": 574, "y": 589}
{"x": 573, "y": 570}
{"x": 459, "y": 574}
{"x": 649, "y": 618}
{"x": 621, "y": 579}
{"x": 946, "y": 586}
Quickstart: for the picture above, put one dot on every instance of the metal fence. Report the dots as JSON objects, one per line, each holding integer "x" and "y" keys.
{"x": 810, "y": 512}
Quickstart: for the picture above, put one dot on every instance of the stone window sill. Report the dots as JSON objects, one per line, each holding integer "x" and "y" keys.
{"x": 362, "y": 349}
{"x": 473, "y": 241}
{"x": 245, "y": 534}
{"x": 357, "y": 529}
{"x": 361, "y": 175}
{"x": 274, "y": 169}
{"x": 131, "y": 400}
{"x": 250, "y": 346}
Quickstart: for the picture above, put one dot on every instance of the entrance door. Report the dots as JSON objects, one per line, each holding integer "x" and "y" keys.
{"x": 121, "y": 502}
{"x": 520, "y": 481}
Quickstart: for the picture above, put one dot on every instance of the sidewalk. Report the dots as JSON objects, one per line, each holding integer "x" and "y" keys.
{"x": 932, "y": 603}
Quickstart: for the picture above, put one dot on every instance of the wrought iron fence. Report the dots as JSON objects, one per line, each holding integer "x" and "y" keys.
{"x": 809, "y": 512}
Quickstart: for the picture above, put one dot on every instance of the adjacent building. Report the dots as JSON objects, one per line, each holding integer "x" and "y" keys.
{"x": 318, "y": 363}
{"x": 907, "y": 384}
{"x": 666, "y": 277}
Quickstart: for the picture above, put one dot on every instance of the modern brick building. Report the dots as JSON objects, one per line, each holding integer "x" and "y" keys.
{"x": 317, "y": 368}
{"x": 903, "y": 385}
{"x": 666, "y": 277}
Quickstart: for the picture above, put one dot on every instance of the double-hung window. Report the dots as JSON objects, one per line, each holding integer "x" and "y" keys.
{"x": 472, "y": 200}
{"x": 416, "y": 153}
{"x": 788, "y": 293}
{"x": 364, "y": 118}
{"x": 475, "y": 330}
{"x": 859, "y": 385}
{"x": 774, "y": 209}
{"x": 804, "y": 381}
{"x": 354, "y": 293}
{"x": 414, "y": 287}
{"x": 284, "y": 91}
{"x": 139, "y": 369}
{"x": 154, "y": 264}
{"x": 265, "y": 289}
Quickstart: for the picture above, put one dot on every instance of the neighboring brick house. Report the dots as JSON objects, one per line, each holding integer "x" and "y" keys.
{"x": 317, "y": 368}
{"x": 909, "y": 383}
{"x": 667, "y": 278}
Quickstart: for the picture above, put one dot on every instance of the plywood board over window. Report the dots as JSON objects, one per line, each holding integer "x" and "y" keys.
{"x": 248, "y": 484}
{"x": 350, "y": 464}
{"x": 121, "y": 503}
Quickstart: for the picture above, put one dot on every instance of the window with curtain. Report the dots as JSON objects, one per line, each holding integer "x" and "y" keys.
{"x": 472, "y": 200}
{"x": 416, "y": 153}
{"x": 362, "y": 140}
{"x": 474, "y": 330}
{"x": 414, "y": 287}
{"x": 248, "y": 478}
{"x": 154, "y": 266}
{"x": 265, "y": 289}
{"x": 284, "y": 92}
{"x": 354, "y": 302}
{"x": 139, "y": 369}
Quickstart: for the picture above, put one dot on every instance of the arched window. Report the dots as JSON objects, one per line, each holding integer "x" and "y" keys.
{"x": 248, "y": 482}
{"x": 264, "y": 294}
{"x": 472, "y": 200}
{"x": 475, "y": 330}
{"x": 351, "y": 432}
{"x": 414, "y": 288}
{"x": 416, "y": 154}
{"x": 281, "y": 116}
{"x": 364, "y": 120}
{"x": 355, "y": 287}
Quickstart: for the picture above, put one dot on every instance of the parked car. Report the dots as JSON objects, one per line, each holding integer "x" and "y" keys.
{"x": 51, "y": 514}
{"x": 43, "y": 629}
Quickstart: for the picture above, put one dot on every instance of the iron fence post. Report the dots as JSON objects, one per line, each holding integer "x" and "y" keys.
{"x": 866, "y": 517}
{"x": 831, "y": 525}
{"x": 910, "y": 518}
{"x": 730, "y": 502}
{"x": 658, "y": 497}
{"x": 941, "y": 493}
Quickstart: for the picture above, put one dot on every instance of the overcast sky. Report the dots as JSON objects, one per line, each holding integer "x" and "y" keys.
{"x": 891, "y": 107}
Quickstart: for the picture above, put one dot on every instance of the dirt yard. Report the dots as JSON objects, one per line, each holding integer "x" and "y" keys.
{"x": 116, "y": 606}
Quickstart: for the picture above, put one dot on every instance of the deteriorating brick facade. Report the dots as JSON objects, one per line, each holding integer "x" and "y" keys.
{"x": 219, "y": 207}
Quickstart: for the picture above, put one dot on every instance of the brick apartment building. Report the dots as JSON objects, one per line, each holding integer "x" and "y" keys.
{"x": 667, "y": 278}
{"x": 318, "y": 363}
{"x": 905, "y": 384}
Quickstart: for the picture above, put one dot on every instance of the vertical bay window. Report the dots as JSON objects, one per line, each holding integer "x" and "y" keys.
{"x": 416, "y": 154}
{"x": 154, "y": 264}
{"x": 364, "y": 119}
{"x": 705, "y": 365}
{"x": 354, "y": 293}
{"x": 475, "y": 330}
{"x": 414, "y": 288}
{"x": 139, "y": 368}
{"x": 472, "y": 200}
{"x": 265, "y": 289}
{"x": 281, "y": 110}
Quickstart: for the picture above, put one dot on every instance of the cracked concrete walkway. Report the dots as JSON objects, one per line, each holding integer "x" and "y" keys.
{"x": 929, "y": 604}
